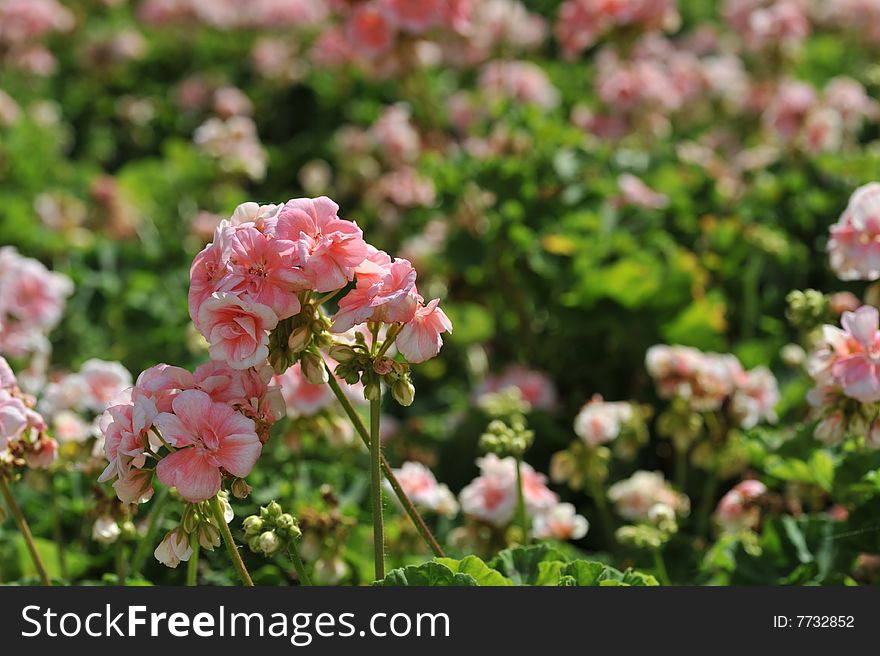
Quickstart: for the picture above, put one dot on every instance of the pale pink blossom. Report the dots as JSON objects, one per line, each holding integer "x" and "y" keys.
{"x": 13, "y": 417}
{"x": 415, "y": 16}
{"x": 491, "y": 497}
{"x": 854, "y": 247}
{"x": 768, "y": 23}
{"x": 755, "y": 397}
{"x": 600, "y": 421}
{"x": 420, "y": 340}
{"x": 737, "y": 509}
{"x": 327, "y": 247}
{"x": 174, "y": 548}
{"x": 385, "y": 291}
{"x": 103, "y": 380}
{"x": 633, "y": 191}
{"x": 42, "y": 453}
{"x": 207, "y": 436}
{"x": 394, "y": 134}
{"x": 236, "y": 329}
{"x": 421, "y": 486}
{"x": 369, "y": 30}
{"x": 534, "y": 387}
{"x": 635, "y": 496}
{"x": 854, "y": 354}
{"x": 302, "y": 398}
{"x": 561, "y": 522}
{"x": 125, "y": 429}
{"x": 162, "y": 382}
{"x": 520, "y": 81}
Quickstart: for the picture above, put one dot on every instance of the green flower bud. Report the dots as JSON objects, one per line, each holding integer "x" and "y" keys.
{"x": 128, "y": 530}
{"x": 342, "y": 353}
{"x": 254, "y": 543}
{"x": 403, "y": 391}
{"x": 285, "y": 522}
{"x": 372, "y": 389}
{"x": 313, "y": 368}
{"x": 252, "y": 525}
{"x": 209, "y": 536}
{"x": 241, "y": 489}
{"x": 274, "y": 509}
{"x": 299, "y": 339}
{"x": 269, "y": 542}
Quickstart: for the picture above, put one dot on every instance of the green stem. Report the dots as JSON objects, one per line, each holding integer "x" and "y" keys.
{"x": 231, "y": 549}
{"x": 57, "y": 532}
{"x": 298, "y": 565}
{"x": 605, "y": 520}
{"x": 146, "y": 543}
{"x": 521, "y": 503}
{"x": 681, "y": 468}
{"x": 25, "y": 530}
{"x": 390, "y": 336}
{"x": 405, "y": 501}
{"x": 660, "y": 567}
{"x": 120, "y": 562}
{"x": 376, "y": 488}
{"x": 707, "y": 503}
{"x": 192, "y": 566}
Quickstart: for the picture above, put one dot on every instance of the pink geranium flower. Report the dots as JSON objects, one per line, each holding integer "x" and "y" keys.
{"x": 369, "y": 31}
{"x": 209, "y": 437}
{"x": 208, "y": 268}
{"x": 13, "y": 417}
{"x": 302, "y": 398}
{"x": 236, "y": 329}
{"x": 414, "y": 15}
{"x": 854, "y": 247}
{"x": 420, "y": 340}
{"x": 737, "y": 509}
{"x": 858, "y": 346}
{"x": 261, "y": 270}
{"x": 326, "y": 247}
{"x": 125, "y": 428}
{"x": 162, "y": 382}
{"x": 385, "y": 292}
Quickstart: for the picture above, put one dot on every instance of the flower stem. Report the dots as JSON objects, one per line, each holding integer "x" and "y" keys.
{"x": 146, "y": 543}
{"x": 120, "y": 562}
{"x": 405, "y": 501}
{"x": 231, "y": 549}
{"x": 376, "y": 488}
{"x": 192, "y": 566}
{"x": 605, "y": 520}
{"x": 25, "y": 529}
{"x": 706, "y": 504}
{"x": 660, "y": 567}
{"x": 57, "y": 532}
{"x": 298, "y": 565}
{"x": 521, "y": 503}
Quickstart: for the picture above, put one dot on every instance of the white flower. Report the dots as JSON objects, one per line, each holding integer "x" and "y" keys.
{"x": 174, "y": 548}
{"x": 561, "y": 522}
{"x": 105, "y": 530}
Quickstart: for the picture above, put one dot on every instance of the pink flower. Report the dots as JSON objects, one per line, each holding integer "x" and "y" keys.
{"x": 635, "y": 496}
{"x": 420, "y": 340}
{"x": 534, "y": 387}
{"x": 104, "y": 380}
{"x": 162, "y": 382}
{"x": 385, "y": 292}
{"x": 755, "y": 398}
{"x": 854, "y": 247}
{"x": 857, "y": 367}
{"x": 420, "y": 485}
{"x": 262, "y": 271}
{"x": 7, "y": 377}
{"x": 236, "y": 329}
{"x": 174, "y": 548}
{"x": 370, "y": 31}
{"x": 208, "y": 268}
{"x": 737, "y": 509}
{"x": 414, "y": 16}
{"x": 635, "y": 192}
{"x": 394, "y": 134}
{"x": 125, "y": 428}
{"x": 302, "y": 398}
{"x": 561, "y": 522}
{"x": 600, "y": 422}
{"x": 326, "y": 247}
{"x": 42, "y": 453}
{"x": 208, "y": 436}
{"x": 705, "y": 380}
{"x": 13, "y": 417}
{"x": 520, "y": 81}
{"x": 32, "y": 294}
{"x": 491, "y": 497}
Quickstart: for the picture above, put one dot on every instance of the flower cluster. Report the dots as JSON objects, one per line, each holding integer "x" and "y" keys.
{"x": 600, "y": 422}
{"x": 23, "y": 24}
{"x": 492, "y": 498}
{"x": 582, "y": 22}
{"x": 271, "y": 531}
{"x": 763, "y": 24}
{"x": 198, "y": 526}
{"x": 424, "y": 491}
{"x": 210, "y": 424}
{"x": 31, "y": 303}
{"x": 854, "y": 247}
{"x": 710, "y": 381}
{"x": 23, "y": 441}
{"x": 534, "y": 387}
{"x": 738, "y": 509}
{"x": 635, "y": 496}
{"x": 231, "y": 14}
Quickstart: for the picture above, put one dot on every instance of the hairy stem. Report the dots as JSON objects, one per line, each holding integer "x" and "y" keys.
{"x": 25, "y": 530}
{"x": 298, "y": 565}
{"x": 192, "y": 566}
{"x": 521, "y": 503}
{"x": 376, "y": 488}
{"x": 231, "y": 549}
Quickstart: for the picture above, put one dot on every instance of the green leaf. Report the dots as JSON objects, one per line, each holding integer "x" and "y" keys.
{"x": 822, "y": 468}
{"x": 476, "y": 568}
{"x": 522, "y": 564}
{"x": 432, "y": 574}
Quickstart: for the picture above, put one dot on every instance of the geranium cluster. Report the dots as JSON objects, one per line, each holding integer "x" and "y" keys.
{"x": 854, "y": 246}
{"x": 739, "y": 509}
{"x": 583, "y": 22}
{"x": 424, "y": 491}
{"x": 23, "y": 440}
{"x": 31, "y": 303}
{"x": 492, "y": 497}
{"x": 763, "y": 24}
{"x": 232, "y": 14}
{"x": 635, "y": 497}
{"x": 846, "y": 370}
{"x": 710, "y": 382}
{"x": 190, "y": 430}
{"x": 23, "y": 25}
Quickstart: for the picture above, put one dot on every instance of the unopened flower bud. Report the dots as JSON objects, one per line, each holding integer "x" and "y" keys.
{"x": 274, "y": 509}
{"x": 254, "y": 543}
{"x": 279, "y": 361}
{"x": 299, "y": 339}
{"x": 383, "y": 365}
{"x": 372, "y": 389}
{"x": 241, "y": 489}
{"x": 269, "y": 543}
{"x": 312, "y": 366}
{"x": 403, "y": 391}
{"x": 129, "y": 530}
{"x": 342, "y": 353}
{"x": 252, "y": 525}
{"x": 209, "y": 536}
